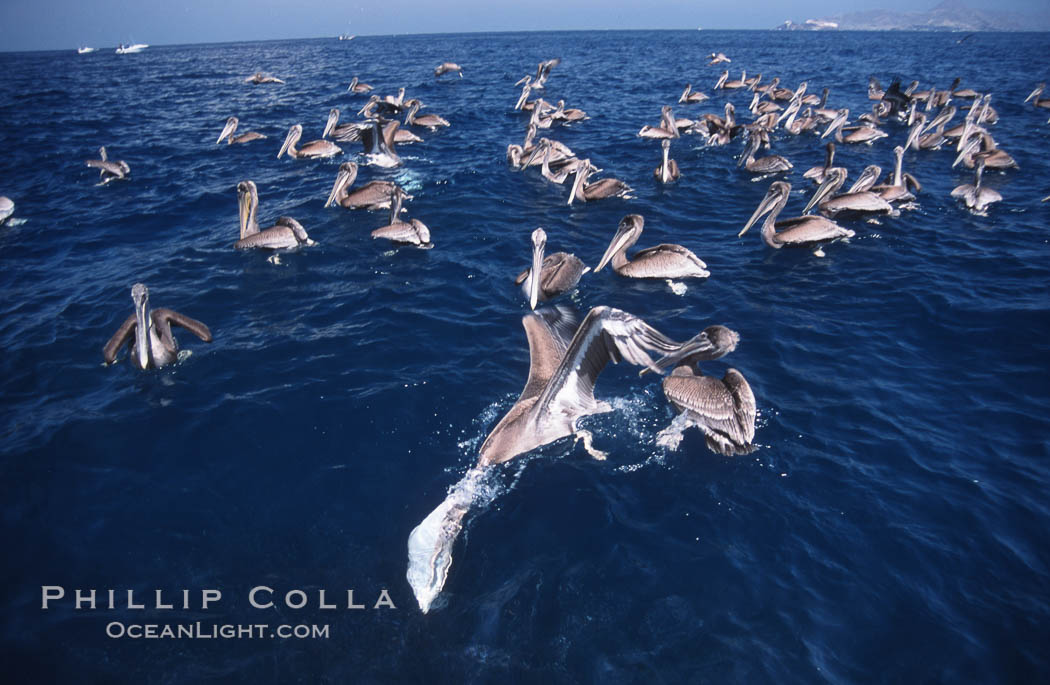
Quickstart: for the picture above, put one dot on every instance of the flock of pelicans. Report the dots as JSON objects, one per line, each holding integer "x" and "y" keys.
{"x": 566, "y": 356}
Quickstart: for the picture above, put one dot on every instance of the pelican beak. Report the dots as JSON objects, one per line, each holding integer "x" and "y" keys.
{"x": 1035, "y": 93}
{"x": 342, "y": 180}
{"x": 333, "y": 118}
{"x": 619, "y": 242}
{"x": 537, "y": 150}
{"x": 577, "y": 184}
{"x": 763, "y": 207}
{"x": 140, "y": 296}
{"x": 831, "y": 182}
{"x": 836, "y": 123}
{"x": 231, "y": 126}
{"x": 244, "y": 201}
{"x": 970, "y": 147}
{"x": 913, "y": 135}
{"x": 539, "y": 241}
{"x": 288, "y": 141}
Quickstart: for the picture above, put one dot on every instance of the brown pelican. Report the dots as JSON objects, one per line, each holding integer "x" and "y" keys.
{"x": 769, "y": 88}
{"x": 801, "y": 231}
{"x": 734, "y": 84}
{"x": 717, "y": 58}
{"x": 666, "y": 129}
{"x": 312, "y": 150}
{"x": 1037, "y": 99}
{"x": 900, "y": 188}
{"x": 759, "y": 107}
{"x": 753, "y": 81}
{"x": 875, "y": 91}
{"x": 668, "y": 169}
{"x": 153, "y": 345}
{"x": 431, "y": 121}
{"x": 565, "y": 362}
{"x": 771, "y": 164}
{"x": 599, "y": 190}
{"x": 690, "y": 96}
{"x": 411, "y": 232}
{"x": 7, "y": 208}
{"x": 387, "y": 105}
{"x": 358, "y": 87}
{"x": 231, "y": 128}
{"x": 568, "y": 115}
{"x": 661, "y": 261}
{"x": 724, "y": 410}
{"x": 543, "y": 70}
{"x": 285, "y": 233}
{"x": 259, "y": 77}
{"x": 446, "y": 67}
{"x": 716, "y": 130}
{"x": 963, "y": 92}
{"x": 107, "y": 170}
{"x": 559, "y": 272}
{"x": 819, "y": 173}
{"x": 974, "y": 196}
{"x": 372, "y": 195}
{"x": 993, "y": 157}
{"x": 857, "y": 134}
{"x": 544, "y": 150}
{"x": 857, "y": 199}
{"x": 379, "y": 143}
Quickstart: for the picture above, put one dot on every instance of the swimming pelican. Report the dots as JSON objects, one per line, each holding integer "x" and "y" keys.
{"x": 717, "y": 58}
{"x": 315, "y": 149}
{"x": 724, "y": 410}
{"x": 372, "y": 195}
{"x": 662, "y": 261}
{"x": 411, "y": 232}
{"x": 993, "y": 157}
{"x": 974, "y": 196}
{"x": 446, "y": 67}
{"x": 900, "y": 188}
{"x": 771, "y": 164}
{"x": 690, "y": 96}
{"x": 285, "y": 233}
{"x": 668, "y": 169}
{"x": 379, "y": 144}
{"x": 357, "y": 87}
{"x": 1037, "y": 99}
{"x": 857, "y": 134}
{"x": 559, "y": 272}
{"x": 857, "y": 199}
{"x": 666, "y": 129}
{"x": 153, "y": 345}
{"x": 570, "y": 115}
{"x": 107, "y": 170}
{"x": 545, "y": 150}
{"x": 963, "y": 92}
{"x": 599, "y": 190}
{"x": 7, "y": 208}
{"x": 259, "y": 77}
{"x": 231, "y": 128}
{"x": 801, "y": 231}
{"x": 431, "y": 121}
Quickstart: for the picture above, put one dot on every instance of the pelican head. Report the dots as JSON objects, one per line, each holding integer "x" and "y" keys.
{"x": 333, "y": 119}
{"x": 343, "y": 180}
{"x": 777, "y": 194}
{"x": 247, "y": 202}
{"x": 228, "y": 130}
{"x": 1037, "y": 92}
{"x": 373, "y": 100}
{"x": 294, "y": 134}
{"x": 714, "y": 342}
{"x": 627, "y": 234}
{"x": 539, "y": 242}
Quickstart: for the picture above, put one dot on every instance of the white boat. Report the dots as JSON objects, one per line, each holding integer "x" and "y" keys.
{"x": 84, "y": 50}
{"x": 347, "y": 36}
{"x": 127, "y": 49}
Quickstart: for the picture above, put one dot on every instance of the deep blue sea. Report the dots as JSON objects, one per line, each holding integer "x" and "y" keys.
{"x": 892, "y": 527}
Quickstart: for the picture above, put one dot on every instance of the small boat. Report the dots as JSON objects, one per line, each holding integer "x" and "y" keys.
{"x": 128, "y": 49}
{"x": 83, "y": 50}
{"x": 347, "y": 36}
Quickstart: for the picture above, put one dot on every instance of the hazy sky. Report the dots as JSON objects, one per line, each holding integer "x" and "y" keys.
{"x": 64, "y": 24}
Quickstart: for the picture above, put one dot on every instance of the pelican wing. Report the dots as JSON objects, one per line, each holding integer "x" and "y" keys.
{"x": 723, "y": 409}
{"x": 549, "y": 331}
{"x": 109, "y": 352}
{"x": 606, "y": 334}
{"x": 170, "y": 316}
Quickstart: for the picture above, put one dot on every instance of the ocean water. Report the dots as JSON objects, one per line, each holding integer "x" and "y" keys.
{"x": 891, "y": 528}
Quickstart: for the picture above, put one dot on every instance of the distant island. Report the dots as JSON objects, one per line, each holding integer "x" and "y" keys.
{"x": 950, "y": 15}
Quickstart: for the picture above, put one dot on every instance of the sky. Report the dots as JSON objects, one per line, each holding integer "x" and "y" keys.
{"x": 65, "y": 24}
